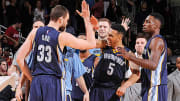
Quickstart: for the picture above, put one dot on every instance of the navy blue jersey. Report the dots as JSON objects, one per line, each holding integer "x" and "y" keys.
{"x": 89, "y": 65}
{"x": 88, "y": 77}
{"x": 110, "y": 71}
{"x": 159, "y": 76}
{"x": 46, "y": 53}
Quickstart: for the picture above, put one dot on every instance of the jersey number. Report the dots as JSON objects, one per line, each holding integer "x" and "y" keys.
{"x": 110, "y": 69}
{"x": 41, "y": 57}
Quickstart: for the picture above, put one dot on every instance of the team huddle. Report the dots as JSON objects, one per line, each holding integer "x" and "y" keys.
{"x": 57, "y": 73}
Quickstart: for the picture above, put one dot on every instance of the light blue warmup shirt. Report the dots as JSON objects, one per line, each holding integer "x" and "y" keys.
{"x": 74, "y": 67}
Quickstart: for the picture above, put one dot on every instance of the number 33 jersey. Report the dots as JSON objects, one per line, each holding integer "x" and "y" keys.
{"x": 110, "y": 71}
{"x": 46, "y": 53}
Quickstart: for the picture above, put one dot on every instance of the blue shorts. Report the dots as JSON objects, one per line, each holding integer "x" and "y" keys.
{"x": 46, "y": 88}
{"x": 156, "y": 93}
{"x": 103, "y": 94}
{"x": 68, "y": 98}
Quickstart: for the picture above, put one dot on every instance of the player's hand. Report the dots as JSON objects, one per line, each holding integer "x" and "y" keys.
{"x": 94, "y": 22}
{"x": 123, "y": 53}
{"x": 86, "y": 96}
{"x": 85, "y": 13}
{"x": 125, "y": 23}
{"x": 121, "y": 91}
{"x": 19, "y": 94}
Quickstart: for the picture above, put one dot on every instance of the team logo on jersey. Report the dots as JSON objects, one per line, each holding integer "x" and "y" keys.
{"x": 114, "y": 58}
{"x": 47, "y": 31}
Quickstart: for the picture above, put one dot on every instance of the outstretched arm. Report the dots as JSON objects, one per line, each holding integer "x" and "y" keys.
{"x": 66, "y": 39}
{"x": 156, "y": 46}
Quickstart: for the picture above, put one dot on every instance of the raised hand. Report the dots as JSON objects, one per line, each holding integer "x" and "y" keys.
{"x": 94, "y": 22}
{"x": 125, "y": 23}
{"x": 85, "y": 13}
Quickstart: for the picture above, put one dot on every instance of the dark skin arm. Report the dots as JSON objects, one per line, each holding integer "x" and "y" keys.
{"x": 156, "y": 46}
{"x": 96, "y": 61}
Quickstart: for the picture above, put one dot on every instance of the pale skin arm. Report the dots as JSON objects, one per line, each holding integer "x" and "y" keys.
{"x": 66, "y": 39}
{"x": 133, "y": 79}
{"x": 101, "y": 44}
{"x": 19, "y": 94}
{"x": 23, "y": 52}
{"x": 156, "y": 46}
{"x": 81, "y": 83}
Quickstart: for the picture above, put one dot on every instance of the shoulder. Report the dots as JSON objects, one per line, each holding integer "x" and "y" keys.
{"x": 157, "y": 43}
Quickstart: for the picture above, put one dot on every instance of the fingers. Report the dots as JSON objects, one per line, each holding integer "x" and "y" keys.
{"x": 78, "y": 12}
{"x": 120, "y": 93}
{"x": 94, "y": 22}
{"x": 127, "y": 21}
{"x": 18, "y": 98}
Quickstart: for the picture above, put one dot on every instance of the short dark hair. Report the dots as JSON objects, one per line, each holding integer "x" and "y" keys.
{"x": 141, "y": 35}
{"x": 2, "y": 60}
{"x": 119, "y": 28}
{"x": 105, "y": 19}
{"x": 158, "y": 17}
{"x": 58, "y": 11}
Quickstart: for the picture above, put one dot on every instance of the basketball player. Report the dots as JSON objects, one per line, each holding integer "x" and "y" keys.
{"x": 19, "y": 95}
{"x": 74, "y": 68}
{"x": 46, "y": 43}
{"x": 89, "y": 61}
{"x": 154, "y": 72}
{"x": 110, "y": 71}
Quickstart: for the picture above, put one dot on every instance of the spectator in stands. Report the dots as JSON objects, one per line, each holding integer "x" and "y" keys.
{"x": 98, "y": 9}
{"x": 4, "y": 42}
{"x": 12, "y": 12}
{"x": 26, "y": 16}
{"x": 141, "y": 15}
{"x": 6, "y": 94}
{"x": 12, "y": 34}
{"x": 7, "y": 55}
{"x": 3, "y": 67}
{"x": 174, "y": 83}
{"x": 113, "y": 12}
{"x": 39, "y": 11}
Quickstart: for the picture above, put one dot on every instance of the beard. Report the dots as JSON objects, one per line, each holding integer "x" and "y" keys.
{"x": 62, "y": 28}
{"x": 82, "y": 51}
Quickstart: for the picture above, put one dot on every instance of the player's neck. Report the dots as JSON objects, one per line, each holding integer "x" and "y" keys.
{"x": 84, "y": 55}
{"x": 156, "y": 32}
{"x": 53, "y": 25}
{"x": 119, "y": 44}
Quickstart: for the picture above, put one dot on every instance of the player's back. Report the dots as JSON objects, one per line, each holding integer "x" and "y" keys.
{"x": 46, "y": 52}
